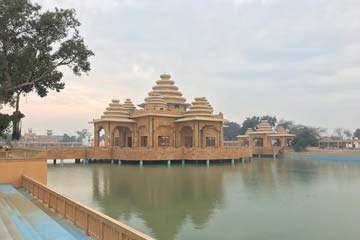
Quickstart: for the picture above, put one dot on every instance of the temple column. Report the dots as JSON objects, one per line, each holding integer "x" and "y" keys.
{"x": 196, "y": 134}
{"x": 107, "y": 136}
{"x": 96, "y": 136}
{"x": 221, "y": 139}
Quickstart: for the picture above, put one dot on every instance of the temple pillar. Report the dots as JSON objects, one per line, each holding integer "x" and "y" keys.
{"x": 221, "y": 139}
{"x": 96, "y": 137}
{"x": 196, "y": 134}
{"x": 151, "y": 131}
{"x": 107, "y": 136}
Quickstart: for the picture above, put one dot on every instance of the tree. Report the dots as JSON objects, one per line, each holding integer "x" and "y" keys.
{"x": 340, "y": 133}
{"x": 232, "y": 130}
{"x": 5, "y": 120}
{"x": 271, "y": 119}
{"x": 254, "y": 121}
{"x": 289, "y": 125}
{"x": 34, "y": 45}
{"x": 305, "y": 137}
{"x": 67, "y": 138}
{"x": 249, "y": 123}
{"x": 82, "y": 134}
{"x": 357, "y": 133}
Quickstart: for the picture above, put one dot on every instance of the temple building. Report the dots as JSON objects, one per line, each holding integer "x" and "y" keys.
{"x": 265, "y": 136}
{"x": 164, "y": 119}
{"x": 327, "y": 143}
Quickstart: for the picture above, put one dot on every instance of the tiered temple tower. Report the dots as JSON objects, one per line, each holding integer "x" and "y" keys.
{"x": 165, "y": 119}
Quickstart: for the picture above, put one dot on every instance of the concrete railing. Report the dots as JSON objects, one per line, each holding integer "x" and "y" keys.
{"x": 94, "y": 224}
{"x": 13, "y": 153}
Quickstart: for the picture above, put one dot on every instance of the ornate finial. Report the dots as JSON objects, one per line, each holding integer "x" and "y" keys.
{"x": 165, "y": 76}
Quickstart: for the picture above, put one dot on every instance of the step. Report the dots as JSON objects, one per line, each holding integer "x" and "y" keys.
{"x": 8, "y": 223}
{"x": 28, "y": 219}
{"x": 4, "y": 233}
{"x": 20, "y": 222}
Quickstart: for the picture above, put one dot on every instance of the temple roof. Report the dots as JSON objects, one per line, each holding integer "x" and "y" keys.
{"x": 115, "y": 112}
{"x": 155, "y": 100}
{"x": 282, "y": 132}
{"x": 128, "y": 105}
{"x": 200, "y": 109}
{"x": 168, "y": 90}
{"x": 264, "y": 127}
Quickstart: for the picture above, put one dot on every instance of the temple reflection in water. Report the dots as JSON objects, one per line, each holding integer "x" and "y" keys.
{"x": 163, "y": 199}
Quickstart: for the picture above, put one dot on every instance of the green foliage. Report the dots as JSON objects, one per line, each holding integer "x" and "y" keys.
{"x": 289, "y": 125}
{"x": 232, "y": 130}
{"x": 67, "y": 138}
{"x": 254, "y": 121}
{"x": 357, "y": 133}
{"x": 5, "y": 120}
{"x": 271, "y": 119}
{"x": 33, "y": 46}
{"x": 82, "y": 134}
{"x": 304, "y": 137}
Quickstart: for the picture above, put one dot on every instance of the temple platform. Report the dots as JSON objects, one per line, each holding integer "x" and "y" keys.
{"x": 21, "y": 217}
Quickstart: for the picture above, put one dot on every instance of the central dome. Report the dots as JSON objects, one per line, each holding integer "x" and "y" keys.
{"x": 167, "y": 89}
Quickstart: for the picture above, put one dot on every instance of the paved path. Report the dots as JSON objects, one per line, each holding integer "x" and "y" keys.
{"x": 21, "y": 219}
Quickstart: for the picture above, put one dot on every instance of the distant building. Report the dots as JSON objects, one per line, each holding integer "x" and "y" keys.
{"x": 265, "y": 136}
{"x": 327, "y": 143}
{"x": 164, "y": 120}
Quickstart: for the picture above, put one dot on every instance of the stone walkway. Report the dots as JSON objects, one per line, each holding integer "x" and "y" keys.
{"x": 21, "y": 219}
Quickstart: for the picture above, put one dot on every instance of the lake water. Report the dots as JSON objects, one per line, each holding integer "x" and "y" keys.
{"x": 264, "y": 199}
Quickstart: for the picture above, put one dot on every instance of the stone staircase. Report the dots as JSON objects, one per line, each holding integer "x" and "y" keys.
{"x": 22, "y": 219}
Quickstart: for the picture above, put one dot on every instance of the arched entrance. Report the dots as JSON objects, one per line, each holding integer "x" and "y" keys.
{"x": 258, "y": 142}
{"x": 289, "y": 142}
{"x": 245, "y": 142}
{"x": 209, "y": 136}
{"x": 100, "y": 137}
{"x": 187, "y": 137}
{"x": 122, "y": 137}
{"x": 276, "y": 142}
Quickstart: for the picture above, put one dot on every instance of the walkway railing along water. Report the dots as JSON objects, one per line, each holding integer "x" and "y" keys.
{"x": 95, "y": 224}
{"x": 13, "y": 153}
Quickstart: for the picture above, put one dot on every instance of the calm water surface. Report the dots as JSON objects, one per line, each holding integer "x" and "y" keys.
{"x": 266, "y": 199}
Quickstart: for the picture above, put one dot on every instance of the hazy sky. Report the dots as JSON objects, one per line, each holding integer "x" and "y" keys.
{"x": 298, "y": 60}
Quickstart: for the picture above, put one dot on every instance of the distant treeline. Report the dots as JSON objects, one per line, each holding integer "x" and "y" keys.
{"x": 305, "y": 136}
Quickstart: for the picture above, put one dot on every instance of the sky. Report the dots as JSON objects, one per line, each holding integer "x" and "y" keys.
{"x": 297, "y": 60}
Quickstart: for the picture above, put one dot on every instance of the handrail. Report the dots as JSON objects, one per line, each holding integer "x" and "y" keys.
{"x": 94, "y": 223}
{"x": 13, "y": 153}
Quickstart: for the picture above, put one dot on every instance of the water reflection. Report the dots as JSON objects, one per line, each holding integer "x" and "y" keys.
{"x": 266, "y": 199}
{"x": 164, "y": 198}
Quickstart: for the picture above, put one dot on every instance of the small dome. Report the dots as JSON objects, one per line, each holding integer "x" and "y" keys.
{"x": 200, "y": 108}
{"x": 128, "y": 105}
{"x": 155, "y": 101}
{"x": 115, "y": 111}
{"x": 249, "y": 130}
{"x": 264, "y": 126}
{"x": 166, "y": 88}
{"x": 281, "y": 130}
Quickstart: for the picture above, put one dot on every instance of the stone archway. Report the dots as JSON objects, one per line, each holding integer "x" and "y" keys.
{"x": 187, "y": 137}
{"x": 258, "y": 142}
{"x": 209, "y": 136}
{"x": 245, "y": 142}
{"x": 122, "y": 137}
{"x": 276, "y": 142}
{"x": 289, "y": 142}
{"x": 164, "y": 136}
{"x": 100, "y": 137}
